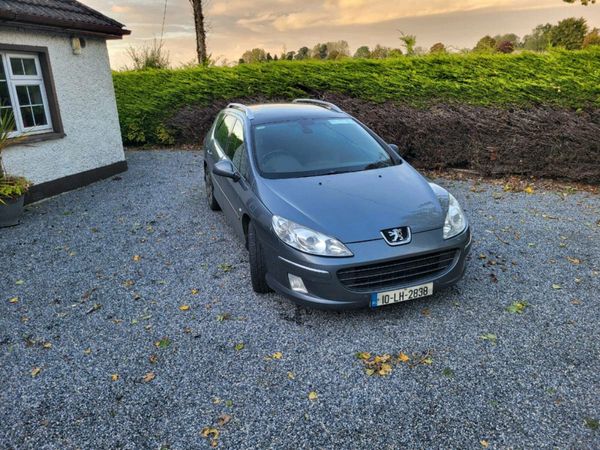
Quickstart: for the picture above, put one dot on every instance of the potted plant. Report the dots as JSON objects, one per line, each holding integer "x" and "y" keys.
{"x": 12, "y": 189}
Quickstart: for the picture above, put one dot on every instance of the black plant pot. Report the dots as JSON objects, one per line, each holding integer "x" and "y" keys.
{"x": 11, "y": 211}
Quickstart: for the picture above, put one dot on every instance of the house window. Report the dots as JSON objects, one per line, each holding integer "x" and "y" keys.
{"x": 22, "y": 91}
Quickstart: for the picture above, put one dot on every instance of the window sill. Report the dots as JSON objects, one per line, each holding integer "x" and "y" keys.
{"x": 41, "y": 137}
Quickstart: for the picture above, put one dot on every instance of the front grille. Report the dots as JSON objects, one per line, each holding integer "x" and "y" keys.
{"x": 378, "y": 276}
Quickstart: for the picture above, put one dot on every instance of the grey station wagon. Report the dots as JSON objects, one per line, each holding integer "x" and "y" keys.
{"x": 332, "y": 216}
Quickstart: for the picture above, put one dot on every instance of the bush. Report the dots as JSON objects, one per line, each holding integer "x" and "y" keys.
{"x": 149, "y": 56}
{"x": 592, "y": 38}
{"x": 148, "y": 99}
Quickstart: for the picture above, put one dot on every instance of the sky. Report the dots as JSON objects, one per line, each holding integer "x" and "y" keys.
{"x": 238, "y": 25}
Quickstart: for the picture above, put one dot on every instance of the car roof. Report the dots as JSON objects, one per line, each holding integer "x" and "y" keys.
{"x": 278, "y": 112}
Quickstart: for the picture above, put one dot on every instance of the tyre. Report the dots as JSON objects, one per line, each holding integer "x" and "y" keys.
{"x": 258, "y": 268}
{"x": 210, "y": 191}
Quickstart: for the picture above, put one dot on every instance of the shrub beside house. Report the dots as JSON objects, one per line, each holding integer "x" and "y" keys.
{"x": 56, "y": 80}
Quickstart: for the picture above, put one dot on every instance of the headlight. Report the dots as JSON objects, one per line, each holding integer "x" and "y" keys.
{"x": 455, "y": 219}
{"x": 307, "y": 240}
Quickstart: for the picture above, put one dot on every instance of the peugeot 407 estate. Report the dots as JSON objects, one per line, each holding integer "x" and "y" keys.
{"x": 331, "y": 214}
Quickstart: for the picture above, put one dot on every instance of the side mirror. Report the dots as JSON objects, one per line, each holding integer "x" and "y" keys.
{"x": 395, "y": 148}
{"x": 226, "y": 169}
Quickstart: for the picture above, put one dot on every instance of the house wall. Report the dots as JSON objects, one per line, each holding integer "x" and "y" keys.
{"x": 86, "y": 100}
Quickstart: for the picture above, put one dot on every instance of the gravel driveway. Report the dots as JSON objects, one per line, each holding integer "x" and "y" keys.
{"x": 127, "y": 320}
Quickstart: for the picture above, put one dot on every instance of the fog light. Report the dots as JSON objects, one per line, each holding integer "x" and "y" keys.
{"x": 297, "y": 284}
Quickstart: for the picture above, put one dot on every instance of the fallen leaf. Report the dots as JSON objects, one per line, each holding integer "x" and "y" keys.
{"x": 225, "y": 267}
{"x": 312, "y": 396}
{"x": 592, "y": 424}
{"x": 484, "y": 443}
{"x": 149, "y": 377}
{"x": 574, "y": 261}
{"x": 195, "y": 291}
{"x": 517, "y": 307}
{"x": 47, "y": 345}
{"x": 529, "y": 189}
{"x": 87, "y": 351}
{"x": 209, "y": 432}
{"x": 137, "y": 258}
{"x": 239, "y": 346}
{"x": 556, "y": 286}
{"x": 403, "y": 357}
{"x": 447, "y": 372}
{"x": 291, "y": 376}
{"x": 223, "y": 419}
{"x": 576, "y": 302}
{"x": 223, "y": 317}
{"x": 114, "y": 377}
{"x": 13, "y": 300}
{"x": 184, "y": 307}
{"x": 163, "y": 343}
{"x": 489, "y": 337}
{"x": 35, "y": 371}
{"x": 426, "y": 312}
{"x": 363, "y": 355}
{"x": 153, "y": 358}
{"x": 19, "y": 282}
{"x": 277, "y": 355}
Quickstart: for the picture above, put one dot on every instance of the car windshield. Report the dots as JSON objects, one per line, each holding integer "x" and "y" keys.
{"x": 311, "y": 147}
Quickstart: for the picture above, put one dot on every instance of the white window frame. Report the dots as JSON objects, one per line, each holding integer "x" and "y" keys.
{"x": 25, "y": 80}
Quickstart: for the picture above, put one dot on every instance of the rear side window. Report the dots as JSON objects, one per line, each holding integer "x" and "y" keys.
{"x": 223, "y": 132}
{"x": 236, "y": 143}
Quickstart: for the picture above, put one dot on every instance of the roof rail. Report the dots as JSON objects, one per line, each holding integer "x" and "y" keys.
{"x": 320, "y": 103}
{"x": 243, "y": 108}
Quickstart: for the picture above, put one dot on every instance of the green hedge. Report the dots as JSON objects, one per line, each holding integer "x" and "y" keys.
{"x": 147, "y": 99}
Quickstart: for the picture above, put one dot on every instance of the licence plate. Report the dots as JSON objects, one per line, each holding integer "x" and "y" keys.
{"x": 401, "y": 295}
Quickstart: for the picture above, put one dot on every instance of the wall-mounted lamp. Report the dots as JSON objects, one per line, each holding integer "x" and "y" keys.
{"x": 77, "y": 44}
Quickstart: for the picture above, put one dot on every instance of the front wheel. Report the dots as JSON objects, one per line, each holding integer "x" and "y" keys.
{"x": 258, "y": 267}
{"x": 210, "y": 191}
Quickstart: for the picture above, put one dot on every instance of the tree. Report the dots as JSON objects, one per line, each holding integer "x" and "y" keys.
{"x": 319, "y": 51}
{"x": 409, "y": 41}
{"x": 569, "y": 33}
{"x": 510, "y": 37}
{"x": 395, "y": 53}
{"x": 486, "y": 44}
{"x": 380, "y": 52}
{"x": 592, "y": 38}
{"x": 269, "y": 57}
{"x": 362, "y": 52}
{"x": 255, "y": 55}
{"x": 583, "y": 2}
{"x": 539, "y": 39}
{"x": 438, "y": 48}
{"x": 200, "y": 32}
{"x": 303, "y": 53}
{"x": 290, "y": 55}
{"x": 505, "y": 47}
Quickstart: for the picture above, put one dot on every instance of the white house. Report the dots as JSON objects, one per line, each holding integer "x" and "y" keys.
{"x": 56, "y": 78}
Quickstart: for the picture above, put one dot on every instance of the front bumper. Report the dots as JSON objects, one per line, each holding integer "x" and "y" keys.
{"x": 320, "y": 273}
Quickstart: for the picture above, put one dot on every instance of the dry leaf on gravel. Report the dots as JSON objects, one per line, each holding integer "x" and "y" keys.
{"x": 149, "y": 377}
{"x": 223, "y": 419}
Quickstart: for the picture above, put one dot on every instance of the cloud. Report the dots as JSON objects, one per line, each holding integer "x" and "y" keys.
{"x": 118, "y": 9}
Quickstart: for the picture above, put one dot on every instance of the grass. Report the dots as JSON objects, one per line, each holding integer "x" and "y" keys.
{"x": 568, "y": 79}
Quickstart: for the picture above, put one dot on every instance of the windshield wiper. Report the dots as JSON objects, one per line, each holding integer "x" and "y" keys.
{"x": 377, "y": 165}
